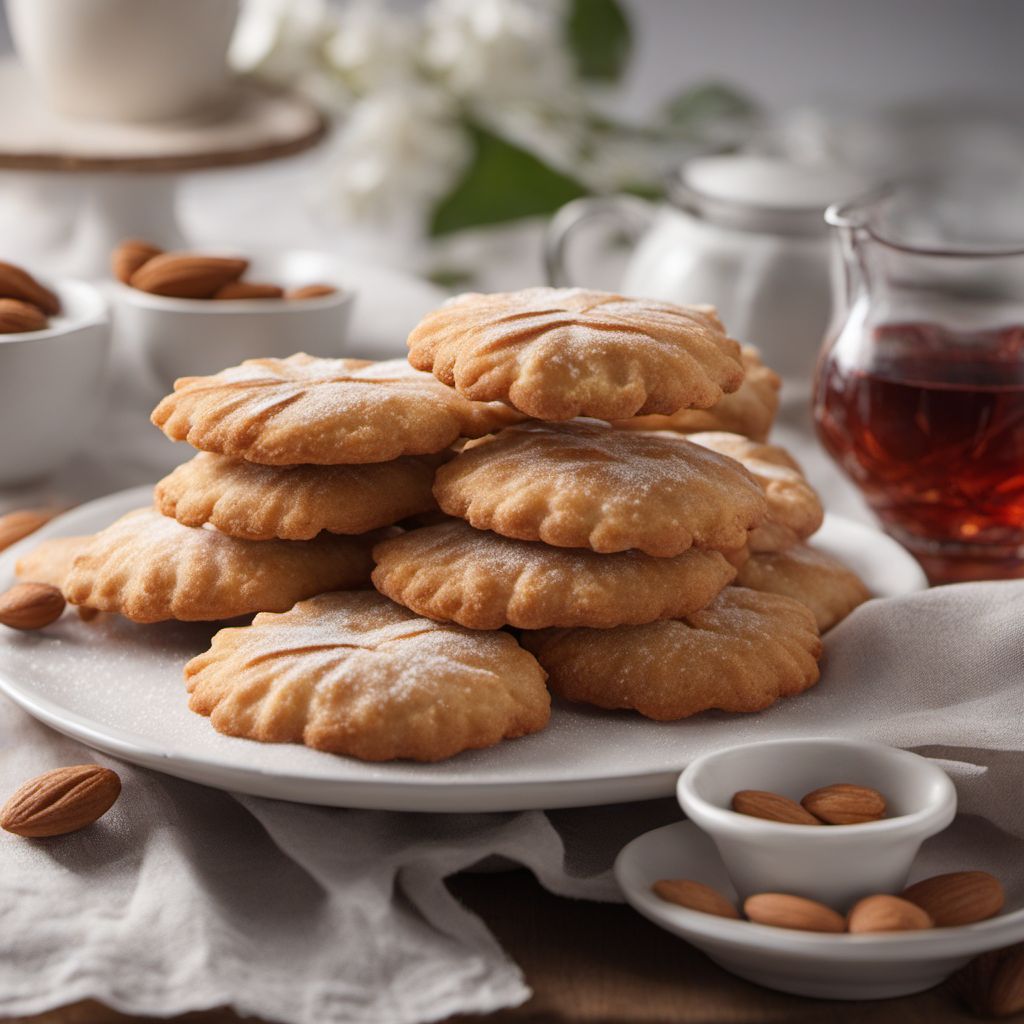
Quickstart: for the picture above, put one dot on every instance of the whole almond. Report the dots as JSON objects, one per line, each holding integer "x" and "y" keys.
{"x": 248, "y": 290}
{"x": 184, "y": 275}
{"x": 781, "y": 910}
{"x": 131, "y": 254}
{"x": 311, "y": 291}
{"x": 61, "y": 801}
{"x": 695, "y": 896}
{"x": 845, "y": 804}
{"x": 16, "y": 283}
{"x": 1006, "y": 994}
{"x": 884, "y": 913}
{"x": 19, "y": 524}
{"x": 960, "y": 897}
{"x": 772, "y": 807}
{"x": 17, "y": 317}
{"x": 31, "y": 606}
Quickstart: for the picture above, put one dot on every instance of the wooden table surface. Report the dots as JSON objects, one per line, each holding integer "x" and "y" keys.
{"x": 604, "y": 964}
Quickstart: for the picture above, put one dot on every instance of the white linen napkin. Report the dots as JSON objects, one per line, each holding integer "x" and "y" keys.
{"x": 184, "y": 897}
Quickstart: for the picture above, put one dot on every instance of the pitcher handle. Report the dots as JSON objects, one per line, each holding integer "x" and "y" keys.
{"x": 632, "y": 213}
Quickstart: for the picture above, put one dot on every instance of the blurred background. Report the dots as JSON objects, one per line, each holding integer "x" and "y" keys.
{"x": 612, "y": 96}
{"x": 457, "y": 121}
{"x": 404, "y": 150}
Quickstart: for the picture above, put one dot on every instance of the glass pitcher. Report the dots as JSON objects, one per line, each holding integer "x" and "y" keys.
{"x": 919, "y": 391}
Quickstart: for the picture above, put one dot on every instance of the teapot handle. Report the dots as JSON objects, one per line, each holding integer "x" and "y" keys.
{"x": 631, "y": 212}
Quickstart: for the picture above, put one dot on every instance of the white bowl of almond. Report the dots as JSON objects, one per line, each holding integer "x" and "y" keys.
{"x": 54, "y": 341}
{"x": 774, "y": 810}
{"x": 193, "y": 313}
{"x": 799, "y": 870}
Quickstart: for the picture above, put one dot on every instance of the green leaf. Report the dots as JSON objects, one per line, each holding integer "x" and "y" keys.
{"x": 599, "y": 37}
{"x": 651, "y": 190}
{"x": 451, "y": 278}
{"x": 707, "y": 103}
{"x": 503, "y": 182}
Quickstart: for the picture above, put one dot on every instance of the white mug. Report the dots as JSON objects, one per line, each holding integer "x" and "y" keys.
{"x": 743, "y": 233}
{"x": 126, "y": 60}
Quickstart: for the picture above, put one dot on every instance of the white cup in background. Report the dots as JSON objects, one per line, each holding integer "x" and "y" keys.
{"x": 126, "y": 60}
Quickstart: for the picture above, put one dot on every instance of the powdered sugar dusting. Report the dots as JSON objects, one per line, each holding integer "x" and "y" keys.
{"x": 325, "y": 631}
{"x": 373, "y": 404}
{"x": 588, "y": 452}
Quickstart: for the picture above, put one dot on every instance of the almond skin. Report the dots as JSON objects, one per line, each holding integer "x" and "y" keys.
{"x": 1006, "y": 994}
{"x": 694, "y": 896}
{"x": 16, "y": 283}
{"x": 16, "y": 525}
{"x": 131, "y": 254}
{"x": 248, "y": 290}
{"x": 31, "y": 606}
{"x": 845, "y": 804}
{"x": 311, "y": 291}
{"x": 61, "y": 801}
{"x": 184, "y": 275}
{"x": 17, "y": 317}
{"x": 780, "y": 910}
{"x": 958, "y": 898}
{"x": 772, "y": 807}
{"x": 884, "y": 913}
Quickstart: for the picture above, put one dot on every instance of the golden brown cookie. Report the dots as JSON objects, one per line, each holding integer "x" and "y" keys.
{"x": 772, "y": 535}
{"x": 585, "y": 484}
{"x": 303, "y": 410}
{"x": 484, "y": 581}
{"x": 738, "y": 447}
{"x": 741, "y": 653}
{"x": 50, "y": 561}
{"x": 749, "y": 411}
{"x": 254, "y": 502}
{"x": 825, "y": 585}
{"x": 149, "y": 567}
{"x": 794, "y": 508}
{"x": 353, "y": 673}
{"x": 556, "y": 353}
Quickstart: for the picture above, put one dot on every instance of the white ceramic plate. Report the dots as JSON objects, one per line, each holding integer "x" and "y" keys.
{"x": 805, "y": 963}
{"x": 117, "y": 687}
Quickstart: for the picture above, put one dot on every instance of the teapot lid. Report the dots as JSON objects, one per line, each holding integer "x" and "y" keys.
{"x": 764, "y": 193}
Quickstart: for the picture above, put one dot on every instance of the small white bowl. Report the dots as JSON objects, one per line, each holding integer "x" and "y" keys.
{"x": 837, "y": 864}
{"x": 197, "y": 337}
{"x": 51, "y": 384}
{"x": 878, "y": 966}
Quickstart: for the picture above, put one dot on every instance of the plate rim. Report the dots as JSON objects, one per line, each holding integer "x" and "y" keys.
{"x": 696, "y": 927}
{"x": 422, "y": 793}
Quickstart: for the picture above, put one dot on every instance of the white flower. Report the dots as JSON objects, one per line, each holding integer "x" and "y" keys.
{"x": 499, "y": 51}
{"x": 373, "y": 47}
{"x": 401, "y": 146}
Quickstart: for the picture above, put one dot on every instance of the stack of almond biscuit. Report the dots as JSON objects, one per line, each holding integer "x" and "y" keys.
{"x": 300, "y": 461}
{"x": 589, "y": 503}
{"x": 604, "y": 528}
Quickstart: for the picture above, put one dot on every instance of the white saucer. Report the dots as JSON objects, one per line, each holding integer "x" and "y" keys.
{"x": 804, "y": 963}
{"x": 117, "y": 687}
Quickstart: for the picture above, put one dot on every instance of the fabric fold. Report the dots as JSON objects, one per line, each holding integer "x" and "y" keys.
{"x": 184, "y": 897}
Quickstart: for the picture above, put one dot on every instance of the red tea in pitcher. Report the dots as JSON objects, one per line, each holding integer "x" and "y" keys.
{"x": 932, "y": 431}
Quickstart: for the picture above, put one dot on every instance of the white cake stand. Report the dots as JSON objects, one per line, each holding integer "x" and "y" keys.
{"x": 70, "y": 189}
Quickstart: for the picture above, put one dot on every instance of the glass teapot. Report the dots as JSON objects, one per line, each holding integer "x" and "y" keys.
{"x": 919, "y": 392}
